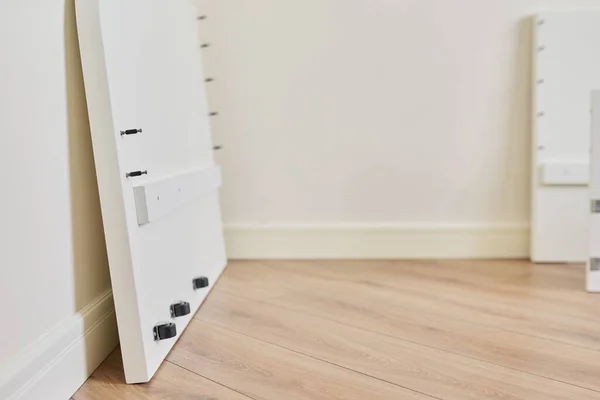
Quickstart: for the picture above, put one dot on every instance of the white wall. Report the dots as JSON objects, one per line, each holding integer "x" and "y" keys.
{"x": 408, "y": 113}
{"x": 52, "y": 259}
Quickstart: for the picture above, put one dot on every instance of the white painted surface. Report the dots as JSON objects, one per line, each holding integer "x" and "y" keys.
{"x": 159, "y": 198}
{"x": 593, "y": 274}
{"x": 416, "y": 241}
{"x": 566, "y": 70}
{"x": 53, "y": 255}
{"x": 393, "y": 111}
{"x": 565, "y": 174}
{"x": 60, "y": 361}
{"x": 143, "y": 70}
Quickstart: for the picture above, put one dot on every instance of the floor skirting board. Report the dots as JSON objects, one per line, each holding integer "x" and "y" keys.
{"x": 56, "y": 365}
{"x": 376, "y": 242}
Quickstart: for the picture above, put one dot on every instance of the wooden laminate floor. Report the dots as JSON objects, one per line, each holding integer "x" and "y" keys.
{"x": 315, "y": 330}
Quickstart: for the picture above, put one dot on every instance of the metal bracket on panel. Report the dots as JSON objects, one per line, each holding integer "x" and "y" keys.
{"x": 180, "y": 309}
{"x": 565, "y": 173}
{"x": 594, "y": 264}
{"x": 201, "y": 282}
{"x": 595, "y": 206}
{"x": 158, "y": 198}
{"x": 165, "y": 331}
{"x": 131, "y": 132}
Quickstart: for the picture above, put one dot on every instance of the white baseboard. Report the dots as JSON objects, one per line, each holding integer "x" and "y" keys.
{"x": 377, "y": 241}
{"x": 56, "y": 365}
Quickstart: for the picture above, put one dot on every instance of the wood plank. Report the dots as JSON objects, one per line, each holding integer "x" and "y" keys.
{"x": 422, "y": 368}
{"x": 408, "y": 296}
{"x": 170, "y": 383}
{"x": 270, "y": 279}
{"x": 470, "y": 271}
{"x": 551, "y": 283}
{"x": 451, "y": 329}
{"x": 241, "y": 277}
{"x": 263, "y": 371}
{"x": 520, "y": 311}
{"x": 560, "y": 284}
{"x": 538, "y": 287}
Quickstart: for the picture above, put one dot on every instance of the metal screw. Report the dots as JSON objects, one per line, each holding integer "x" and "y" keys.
{"x": 213, "y": 114}
{"x": 541, "y": 114}
{"x": 541, "y": 147}
{"x": 204, "y": 45}
{"x": 217, "y": 148}
{"x": 131, "y": 132}
{"x": 540, "y": 81}
{"x": 541, "y": 48}
{"x": 209, "y": 80}
{"x": 202, "y": 17}
{"x": 541, "y": 22}
{"x": 136, "y": 173}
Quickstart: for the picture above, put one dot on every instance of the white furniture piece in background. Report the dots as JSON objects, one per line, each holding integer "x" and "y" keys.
{"x": 566, "y": 70}
{"x": 593, "y": 264}
{"x": 156, "y": 174}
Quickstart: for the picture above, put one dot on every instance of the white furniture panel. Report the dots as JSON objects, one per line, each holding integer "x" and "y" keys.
{"x": 142, "y": 70}
{"x": 566, "y": 70}
{"x": 593, "y": 265}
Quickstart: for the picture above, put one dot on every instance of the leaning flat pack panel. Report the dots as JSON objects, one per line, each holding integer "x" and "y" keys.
{"x": 566, "y": 70}
{"x": 142, "y": 71}
{"x": 593, "y": 265}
